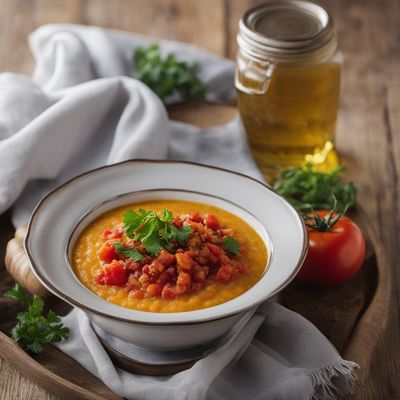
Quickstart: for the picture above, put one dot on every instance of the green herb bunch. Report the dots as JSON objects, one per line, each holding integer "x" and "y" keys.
{"x": 154, "y": 232}
{"x": 34, "y": 330}
{"x": 307, "y": 189}
{"x": 167, "y": 75}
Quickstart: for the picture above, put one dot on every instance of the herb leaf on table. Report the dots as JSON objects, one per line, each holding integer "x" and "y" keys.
{"x": 167, "y": 75}
{"x": 34, "y": 330}
{"x": 307, "y": 189}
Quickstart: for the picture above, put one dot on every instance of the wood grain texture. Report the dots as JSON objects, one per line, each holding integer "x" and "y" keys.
{"x": 368, "y": 122}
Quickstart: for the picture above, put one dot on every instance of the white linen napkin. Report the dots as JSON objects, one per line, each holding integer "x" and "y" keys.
{"x": 82, "y": 109}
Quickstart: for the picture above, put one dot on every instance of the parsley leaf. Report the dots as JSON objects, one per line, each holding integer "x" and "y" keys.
{"x": 307, "y": 189}
{"x": 33, "y": 329}
{"x": 17, "y": 292}
{"x": 231, "y": 245}
{"x": 133, "y": 221}
{"x": 181, "y": 235}
{"x": 166, "y": 75}
{"x": 155, "y": 233}
{"x": 131, "y": 253}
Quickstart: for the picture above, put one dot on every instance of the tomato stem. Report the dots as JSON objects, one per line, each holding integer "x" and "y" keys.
{"x": 324, "y": 224}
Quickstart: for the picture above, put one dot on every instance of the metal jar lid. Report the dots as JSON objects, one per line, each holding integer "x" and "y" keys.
{"x": 287, "y": 30}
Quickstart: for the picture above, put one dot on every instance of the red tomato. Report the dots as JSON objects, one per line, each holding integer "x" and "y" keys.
{"x": 184, "y": 278}
{"x": 211, "y": 221}
{"x": 154, "y": 289}
{"x": 107, "y": 253}
{"x": 112, "y": 274}
{"x": 195, "y": 216}
{"x": 184, "y": 261}
{"x": 225, "y": 273}
{"x": 334, "y": 256}
{"x": 166, "y": 258}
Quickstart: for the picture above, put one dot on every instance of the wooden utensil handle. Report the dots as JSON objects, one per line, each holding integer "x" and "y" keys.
{"x": 18, "y": 265}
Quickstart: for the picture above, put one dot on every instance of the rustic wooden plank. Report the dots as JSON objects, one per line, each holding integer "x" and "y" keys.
{"x": 366, "y": 136}
{"x": 185, "y": 20}
{"x": 190, "y": 21}
{"x": 14, "y": 386}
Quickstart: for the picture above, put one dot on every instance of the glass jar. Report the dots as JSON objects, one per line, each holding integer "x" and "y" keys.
{"x": 288, "y": 81}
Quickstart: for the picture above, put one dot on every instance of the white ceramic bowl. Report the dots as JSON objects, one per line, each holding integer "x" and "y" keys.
{"x": 62, "y": 215}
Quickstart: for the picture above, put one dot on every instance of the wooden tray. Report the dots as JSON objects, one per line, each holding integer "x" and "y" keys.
{"x": 353, "y": 316}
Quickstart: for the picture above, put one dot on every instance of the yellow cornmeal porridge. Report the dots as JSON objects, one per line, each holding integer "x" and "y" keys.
{"x": 253, "y": 254}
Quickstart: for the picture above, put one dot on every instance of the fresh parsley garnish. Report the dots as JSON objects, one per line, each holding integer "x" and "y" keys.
{"x": 154, "y": 232}
{"x": 167, "y": 75}
{"x": 34, "y": 330}
{"x": 231, "y": 245}
{"x": 128, "y": 252}
{"x": 307, "y": 189}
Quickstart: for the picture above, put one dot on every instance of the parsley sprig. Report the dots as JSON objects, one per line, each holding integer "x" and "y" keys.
{"x": 167, "y": 75}
{"x": 153, "y": 231}
{"x": 307, "y": 189}
{"x": 34, "y": 330}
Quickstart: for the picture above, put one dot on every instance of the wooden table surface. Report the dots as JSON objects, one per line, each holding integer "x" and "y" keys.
{"x": 368, "y": 132}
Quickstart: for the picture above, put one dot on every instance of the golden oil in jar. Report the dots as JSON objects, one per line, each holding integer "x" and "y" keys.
{"x": 288, "y": 81}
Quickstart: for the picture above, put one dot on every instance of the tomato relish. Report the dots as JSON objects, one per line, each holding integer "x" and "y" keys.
{"x": 185, "y": 268}
{"x": 203, "y": 271}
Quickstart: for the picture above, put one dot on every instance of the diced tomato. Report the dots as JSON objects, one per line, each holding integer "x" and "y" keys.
{"x": 137, "y": 294}
{"x": 206, "y": 237}
{"x": 184, "y": 262}
{"x": 112, "y": 274}
{"x": 195, "y": 216}
{"x": 144, "y": 278}
{"x": 223, "y": 259}
{"x": 133, "y": 282}
{"x": 183, "y": 278}
{"x": 107, "y": 233}
{"x": 193, "y": 242}
{"x": 168, "y": 276}
{"x": 197, "y": 286}
{"x": 155, "y": 268}
{"x": 148, "y": 260}
{"x": 154, "y": 289}
{"x": 168, "y": 292}
{"x": 107, "y": 253}
{"x": 202, "y": 260}
{"x": 195, "y": 226}
{"x": 131, "y": 265}
{"x": 216, "y": 250}
{"x": 177, "y": 221}
{"x": 199, "y": 276}
{"x": 115, "y": 234}
{"x": 166, "y": 258}
{"x": 146, "y": 269}
{"x": 224, "y": 274}
{"x": 180, "y": 289}
{"x": 211, "y": 221}
{"x": 136, "y": 274}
